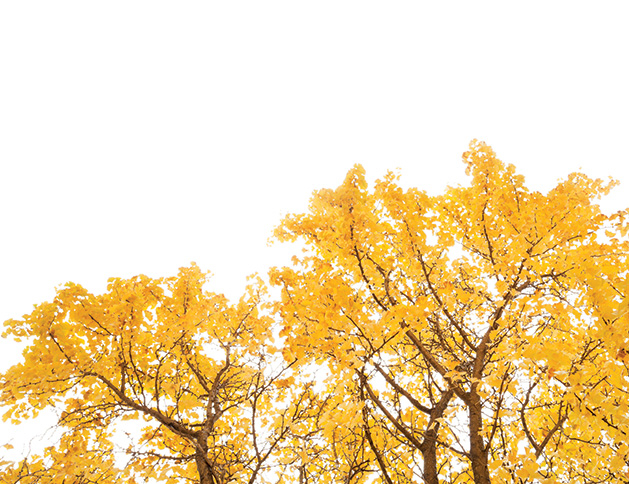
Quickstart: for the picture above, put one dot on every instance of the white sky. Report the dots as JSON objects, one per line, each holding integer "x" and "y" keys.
{"x": 136, "y": 137}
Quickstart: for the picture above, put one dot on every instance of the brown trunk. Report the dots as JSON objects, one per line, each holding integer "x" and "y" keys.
{"x": 203, "y": 467}
{"x": 429, "y": 444}
{"x": 478, "y": 453}
{"x": 205, "y": 473}
{"x": 429, "y": 453}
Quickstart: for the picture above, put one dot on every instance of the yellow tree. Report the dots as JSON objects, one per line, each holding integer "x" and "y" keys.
{"x": 476, "y": 336}
{"x": 194, "y": 380}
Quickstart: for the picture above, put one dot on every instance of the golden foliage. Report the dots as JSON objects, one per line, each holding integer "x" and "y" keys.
{"x": 475, "y": 336}
{"x": 196, "y": 372}
{"x": 482, "y": 331}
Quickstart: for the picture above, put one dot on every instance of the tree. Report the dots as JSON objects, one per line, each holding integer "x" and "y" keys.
{"x": 195, "y": 379}
{"x": 476, "y": 336}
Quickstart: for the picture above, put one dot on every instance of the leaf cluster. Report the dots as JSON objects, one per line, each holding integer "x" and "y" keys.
{"x": 481, "y": 335}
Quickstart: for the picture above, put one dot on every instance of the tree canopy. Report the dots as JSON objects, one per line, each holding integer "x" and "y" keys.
{"x": 195, "y": 379}
{"x": 476, "y": 336}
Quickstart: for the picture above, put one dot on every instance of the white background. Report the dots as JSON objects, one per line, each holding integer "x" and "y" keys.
{"x": 136, "y": 137}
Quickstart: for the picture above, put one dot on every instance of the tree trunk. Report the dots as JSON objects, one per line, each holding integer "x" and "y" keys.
{"x": 429, "y": 444}
{"x": 205, "y": 473}
{"x": 478, "y": 453}
{"x": 429, "y": 453}
{"x": 206, "y": 476}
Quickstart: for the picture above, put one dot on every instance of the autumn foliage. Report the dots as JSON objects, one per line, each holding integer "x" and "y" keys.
{"x": 477, "y": 336}
{"x": 196, "y": 378}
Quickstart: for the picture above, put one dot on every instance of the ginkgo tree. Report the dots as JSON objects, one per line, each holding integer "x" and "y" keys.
{"x": 476, "y": 336}
{"x": 194, "y": 379}
{"x": 480, "y": 335}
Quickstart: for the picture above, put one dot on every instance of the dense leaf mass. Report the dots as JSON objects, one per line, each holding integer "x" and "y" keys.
{"x": 477, "y": 336}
